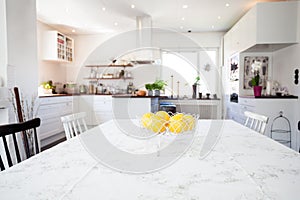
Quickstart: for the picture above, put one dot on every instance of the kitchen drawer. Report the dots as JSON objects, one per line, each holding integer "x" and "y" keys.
{"x": 102, "y": 98}
{"x": 55, "y": 100}
{"x": 50, "y": 111}
{"x": 247, "y": 101}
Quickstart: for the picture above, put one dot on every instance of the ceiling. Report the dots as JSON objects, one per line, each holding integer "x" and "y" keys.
{"x": 105, "y": 16}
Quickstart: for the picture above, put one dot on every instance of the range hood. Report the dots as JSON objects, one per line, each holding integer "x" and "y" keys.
{"x": 144, "y": 52}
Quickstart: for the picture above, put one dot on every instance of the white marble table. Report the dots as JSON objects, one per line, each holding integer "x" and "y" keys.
{"x": 241, "y": 165}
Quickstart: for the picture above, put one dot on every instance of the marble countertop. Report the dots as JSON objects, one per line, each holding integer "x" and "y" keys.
{"x": 225, "y": 161}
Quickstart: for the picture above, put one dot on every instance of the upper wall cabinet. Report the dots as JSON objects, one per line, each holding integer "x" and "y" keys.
{"x": 57, "y": 47}
{"x": 265, "y": 28}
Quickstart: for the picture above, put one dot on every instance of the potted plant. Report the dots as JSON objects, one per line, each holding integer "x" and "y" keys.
{"x": 255, "y": 80}
{"x": 149, "y": 87}
{"x": 195, "y": 87}
{"x": 158, "y": 86}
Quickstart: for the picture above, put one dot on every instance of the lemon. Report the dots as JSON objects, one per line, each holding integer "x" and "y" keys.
{"x": 157, "y": 124}
{"x": 146, "y": 119}
{"x": 163, "y": 114}
{"x": 189, "y": 121}
{"x": 176, "y": 126}
{"x": 176, "y": 117}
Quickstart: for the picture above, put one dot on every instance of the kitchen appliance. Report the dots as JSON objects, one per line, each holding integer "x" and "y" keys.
{"x": 82, "y": 89}
{"x": 130, "y": 88}
{"x": 168, "y": 107}
{"x": 234, "y": 97}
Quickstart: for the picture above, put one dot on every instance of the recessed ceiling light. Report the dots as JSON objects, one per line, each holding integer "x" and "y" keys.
{"x": 67, "y": 10}
{"x": 219, "y": 17}
{"x": 116, "y": 23}
{"x": 103, "y": 9}
{"x": 212, "y": 26}
{"x": 132, "y": 6}
{"x": 185, "y": 6}
{"x": 73, "y": 31}
{"x": 181, "y": 27}
{"x": 182, "y": 19}
{"x": 227, "y": 4}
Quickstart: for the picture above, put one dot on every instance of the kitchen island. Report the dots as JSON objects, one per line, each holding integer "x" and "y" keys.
{"x": 128, "y": 106}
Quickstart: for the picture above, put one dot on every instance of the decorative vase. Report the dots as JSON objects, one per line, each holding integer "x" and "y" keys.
{"x": 257, "y": 91}
{"x": 150, "y": 92}
{"x": 194, "y": 91}
{"x": 156, "y": 92}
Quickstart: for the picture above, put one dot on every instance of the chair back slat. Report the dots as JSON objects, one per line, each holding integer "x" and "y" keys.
{"x": 256, "y": 121}
{"x": 37, "y": 148}
{"x": 9, "y": 161}
{"x": 1, "y": 164}
{"x": 16, "y": 147}
{"x": 74, "y": 124}
{"x": 12, "y": 129}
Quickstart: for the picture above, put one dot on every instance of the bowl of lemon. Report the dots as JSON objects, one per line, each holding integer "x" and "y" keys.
{"x": 163, "y": 122}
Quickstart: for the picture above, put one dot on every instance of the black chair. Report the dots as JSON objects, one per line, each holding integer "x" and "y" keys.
{"x": 12, "y": 129}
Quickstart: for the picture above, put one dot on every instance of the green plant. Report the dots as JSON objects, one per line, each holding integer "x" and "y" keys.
{"x": 159, "y": 85}
{"x": 197, "y": 80}
{"x": 149, "y": 86}
{"x": 255, "y": 79}
{"x": 47, "y": 85}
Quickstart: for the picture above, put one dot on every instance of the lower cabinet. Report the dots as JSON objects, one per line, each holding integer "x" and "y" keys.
{"x": 207, "y": 109}
{"x": 103, "y": 110}
{"x": 130, "y": 108}
{"x": 50, "y": 111}
{"x": 97, "y": 107}
{"x": 271, "y": 109}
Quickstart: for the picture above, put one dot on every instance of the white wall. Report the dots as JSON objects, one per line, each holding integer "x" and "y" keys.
{"x": 3, "y": 43}
{"x": 22, "y": 44}
{"x": 18, "y": 47}
{"x": 285, "y": 61}
{"x": 3, "y": 58}
{"x": 86, "y": 44}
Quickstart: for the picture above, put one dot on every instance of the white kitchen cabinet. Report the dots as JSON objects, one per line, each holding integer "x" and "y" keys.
{"x": 265, "y": 27}
{"x": 97, "y": 107}
{"x": 85, "y": 104}
{"x": 130, "y": 107}
{"x": 57, "y": 47}
{"x": 269, "y": 108}
{"x": 50, "y": 111}
{"x": 103, "y": 109}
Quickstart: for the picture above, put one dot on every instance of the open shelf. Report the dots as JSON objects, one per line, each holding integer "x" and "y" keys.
{"x": 111, "y": 65}
{"x": 108, "y": 78}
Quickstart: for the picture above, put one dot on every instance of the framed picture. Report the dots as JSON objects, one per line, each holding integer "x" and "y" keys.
{"x": 249, "y": 71}
{"x": 234, "y": 67}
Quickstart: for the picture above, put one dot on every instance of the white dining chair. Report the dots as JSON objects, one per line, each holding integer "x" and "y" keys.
{"x": 74, "y": 124}
{"x": 256, "y": 121}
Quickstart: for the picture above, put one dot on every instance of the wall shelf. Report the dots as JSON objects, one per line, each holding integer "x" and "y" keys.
{"x": 96, "y": 66}
{"x": 108, "y": 78}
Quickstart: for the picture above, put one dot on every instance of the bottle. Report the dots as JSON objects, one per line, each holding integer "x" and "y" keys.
{"x": 269, "y": 88}
{"x": 130, "y": 88}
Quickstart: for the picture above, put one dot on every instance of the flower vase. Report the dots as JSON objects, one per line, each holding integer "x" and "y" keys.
{"x": 156, "y": 92}
{"x": 257, "y": 91}
{"x": 150, "y": 92}
{"x": 194, "y": 91}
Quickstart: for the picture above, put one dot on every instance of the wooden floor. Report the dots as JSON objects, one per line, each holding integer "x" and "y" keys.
{"x": 53, "y": 144}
